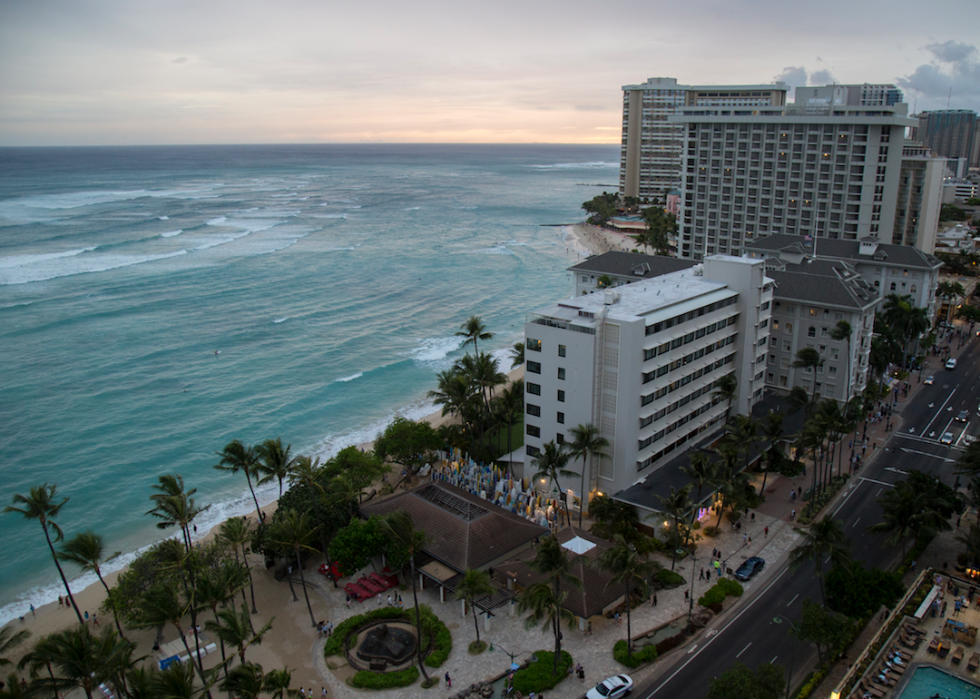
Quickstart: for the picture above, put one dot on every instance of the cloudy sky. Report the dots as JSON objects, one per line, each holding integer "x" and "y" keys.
{"x": 86, "y": 72}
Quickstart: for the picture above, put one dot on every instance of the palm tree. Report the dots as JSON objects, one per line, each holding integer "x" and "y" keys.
{"x": 76, "y": 659}
{"x": 908, "y": 321}
{"x": 726, "y": 388}
{"x": 293, "y": 531}
{"x": 842, "y": 331}
{"x": 700, "y": 470}
{"x": 627, "y": 568}
{"x": 474, "y": 585}
{"x": 772, "y": 431}
{"x": 510, "y": 405}
{"x": 87, "y": 551}
{"x": 811, "y": 439}
{"x": 41, "y": 505}
{"x": 483, "y": 371}
{"x": 9, "y": 639}
{"x": 235, "y": 533}
{"x": 276, "y": 683}
{"x": 909, "y": 512}
{"x": 949, "y": 290}
{"x": 234, "y": 628}
{"x": 306, "y": 472}
{"x": 473, "y": 330}
{"x": 824, "y": 539}
{"x": 245, "y": 681}
{"x": 274, "y": 461}
{"x": 237, "y": 457}
{"x": 677, "y": 505}
{"x": 216, "y": 587}
{"x": 834, "y": 422}
{"x": 175, "y": 506}
{"x": 586, "y": 442}
{"x": 176, "y": 682}
{"x": 161, "y": 604}
{"x": 517, "y": 355}
{"x": 550, "y": 464}
{"x": 809, "y": 358}
{"x": 544, "y": 607}
{"x": 401, "y": 530}
{"x": 552, "y": 561}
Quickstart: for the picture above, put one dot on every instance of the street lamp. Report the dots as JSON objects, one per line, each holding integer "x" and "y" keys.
{"x": 779, "y": 619}
{"x": 690, "y": 606}
{"x": 513, "y": 665}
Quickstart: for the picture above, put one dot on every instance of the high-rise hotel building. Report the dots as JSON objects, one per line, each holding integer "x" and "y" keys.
{"x": 818, "y": 169}
{"x": 652, "y": 147}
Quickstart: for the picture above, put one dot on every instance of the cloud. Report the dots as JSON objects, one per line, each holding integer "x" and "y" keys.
{"x": 954, "y": 70}
{"x": 822, "y": 77}
{"x": 792, "y": 76}
{"x": 182, "y": 59}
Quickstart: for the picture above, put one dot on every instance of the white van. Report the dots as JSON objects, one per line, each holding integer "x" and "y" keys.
{"x": 951, "y": 363}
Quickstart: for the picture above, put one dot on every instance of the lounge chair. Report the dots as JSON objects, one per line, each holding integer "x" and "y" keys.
{"x": 904, "y": 654}
{"x": 913, "y": 642}
{"x": 385, "y": 583}
{"x": 957, "y": 655}
{"x": 973, "y": 663}
{"x": 870, "y": 689}
{"x": 943, "y": 650}
{"x": 913, "y": 629}
{"x": 370, "y": 585}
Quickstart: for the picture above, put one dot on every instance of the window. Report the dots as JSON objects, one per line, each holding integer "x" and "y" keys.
{"x": 532, "y": 451}
{"x": 533, "y": 345}
{"x": 561, "y": 418}
{"x": 534, "y": 389}
{"x": 560, "y": 438}
{"x": 812, "y": 332}
{"x": 561, "y": 350}
{"x": 893, "y": 286}
{"x": 533, "y": 431}
{"x": 534, "y": 410}
{"x": 561, "y": 395}
{"x": 789, "y": 327}
{"x": 533, "y": 367}
{"x": 561, "y": 373}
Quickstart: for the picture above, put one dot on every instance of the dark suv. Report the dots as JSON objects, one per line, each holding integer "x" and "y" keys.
{"x": 750, "y": 568}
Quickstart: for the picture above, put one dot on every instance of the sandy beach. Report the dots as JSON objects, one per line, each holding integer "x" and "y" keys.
{"x": 586, "y": 240}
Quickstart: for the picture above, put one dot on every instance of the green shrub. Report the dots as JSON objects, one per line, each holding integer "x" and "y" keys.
{"x": 365, "y": 679}
{"x": 335, "y": 643}
{"x": 717, "y": 593}
{"x": 433, "y": 631}
{"x": 668, "y": 578}
{"x": 731, "y": 587}
{"x": 639, "y": 657}
{"x": 669, "y": 643}
{"x": 712, "y": 531}
{"x": 537, "y": 677}
{"x": 809, "y": 514}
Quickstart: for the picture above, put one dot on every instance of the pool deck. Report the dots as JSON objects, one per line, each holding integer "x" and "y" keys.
{"x": 923, "y": 644}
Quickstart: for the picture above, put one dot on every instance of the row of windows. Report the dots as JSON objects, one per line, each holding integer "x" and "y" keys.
{"x": 689, "y": 337}
{"x": 644, "y": 443}
{"x": 683, "y": 381}
{"x": 677, "y": 363}
{"x": 690, "y": 315}
{"x": 535, "y": 346}
{"x": 535, "y": 431}
{"x": 649, "y": 420}
{"x": 640, "y": 465}
{"x": 535, "y": 390}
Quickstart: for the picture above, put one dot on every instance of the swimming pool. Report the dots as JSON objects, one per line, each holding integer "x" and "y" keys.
{"x": 927, "y": 682}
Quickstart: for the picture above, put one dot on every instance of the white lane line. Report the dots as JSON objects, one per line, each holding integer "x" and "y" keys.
{"x": 872, "y": 480}
{"x": 793, "y": 600}
{"x": 938, "y": 412}
{"x": 962, "y": 435}
{"x": 773, "y": 659}
{"x": 856, "y": 522}
{"x": 925, "y": 453}
{"x": 720, "y": 631}
{"x": 878, "y": 494}
{"x": 743, "y": 650}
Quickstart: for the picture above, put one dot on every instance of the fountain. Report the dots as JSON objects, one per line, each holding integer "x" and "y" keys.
{"x": 386, "y": 645}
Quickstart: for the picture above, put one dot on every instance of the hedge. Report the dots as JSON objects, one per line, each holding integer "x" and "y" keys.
{"x": 640, "y": 657}
{"x": 669, "y": 578}
{"x": 809, "y": 514}
{"x": 537, "y": 677}
{"x": 670, "y": 643}
{"x": 717, "y": 593}
{"x": 365, "y": 679}
{"x": 337, "y": 641}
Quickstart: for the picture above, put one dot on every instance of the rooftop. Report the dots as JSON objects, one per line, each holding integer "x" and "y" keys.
{"x": 884, "y": 253}
{"x": 632, "y": 264}
{"x": 823, "y": 282}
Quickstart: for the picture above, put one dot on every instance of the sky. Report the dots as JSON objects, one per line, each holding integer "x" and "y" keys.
{"x": 127, "y": 72}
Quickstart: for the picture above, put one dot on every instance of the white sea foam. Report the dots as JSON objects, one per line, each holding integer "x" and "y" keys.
{"x": 219, "y": 221}
{"x": 347, "y": 379}
{"x": 329, "y": 216}
{"x": 596, "y": 165}
{"x": 434, "y": 350}
{"x": 281, "y": 320}
{"x": 163, "y": 218}
{"x": 17, "y": 261}
{"x": 498, "y": 250}
{"x": 413, "y": 208}
{"x": 68, "y": 265}
{"x": 171, "y": 234}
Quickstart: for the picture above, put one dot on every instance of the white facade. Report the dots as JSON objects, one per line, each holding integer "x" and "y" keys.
{"x": 642, "y": 361}
{"x": 920, "y": 198}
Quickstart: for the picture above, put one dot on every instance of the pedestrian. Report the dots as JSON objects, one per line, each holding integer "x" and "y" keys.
{"x": 61, "y": 600}
{"x": 701, "y": 576}
{"x": 792, "y": 515}
{"x": 348, "y": 601}
{"x": 799, "y": 491}
{"x": 687, "y": 595}
{"x": 323, "y": 693}
{"x": 618, "y": 620}
{"x": 766, "y": 530}
{"x": 449, "y": 680}
{"x": 707, "y": 576}
{"x": 329, "y": 628}
{"x": 302, "y": 692}
{"x": 32, "y": 611}
{"x": 95, "y": 619}
{"x": 86, "y": 617}
{"x": 654, "y": 599}
{"x": 744, "y": 538}
{"x": 379, "y": 599}
{"x": 389, "y": 600}
{"x": 753, "y": 516}
{"x": 195, "y": 529}
{"x": 792, "y": 495}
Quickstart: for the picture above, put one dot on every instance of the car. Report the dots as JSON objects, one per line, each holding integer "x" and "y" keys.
{"x": 930, "y": 380}
{"x": 611, "y": 688}
{"x": 951, "y": 363}
{"x": 750, "y": 568}
{"x": 963, "y": 416}
{"x": 947, "y": 438}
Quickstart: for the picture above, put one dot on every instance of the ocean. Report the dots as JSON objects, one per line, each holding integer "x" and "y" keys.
{"x": 158, "y": 302}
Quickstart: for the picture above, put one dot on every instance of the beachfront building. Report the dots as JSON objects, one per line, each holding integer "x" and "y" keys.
{"x": 920, "y": 198}
{"x": 888, "y": 268}
{"x": 642, "y": 361}
{"x": 652, "y": 147}
{"x": 824, "y": 170}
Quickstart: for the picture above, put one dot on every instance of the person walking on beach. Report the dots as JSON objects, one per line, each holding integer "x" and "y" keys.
{"x": 449, "y": 681}
{"x": 32, "y": 611}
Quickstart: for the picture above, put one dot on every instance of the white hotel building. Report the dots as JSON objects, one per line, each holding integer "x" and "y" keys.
{"x": 642, "y": 361}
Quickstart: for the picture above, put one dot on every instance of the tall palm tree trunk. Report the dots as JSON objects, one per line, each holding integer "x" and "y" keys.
{"x": 64, "y": 580}
{"x": 582, "y": 497}
{"x": 476, "y": 621}
{"x": 258, "y": 510}
{"x": 224, "y": 659}
{"x": 112, "y": 605}
{"x": 319, "y": 529}
{"x": 629, "y": 627}
{"x": 556, "y": 626}
{"x": 302, "y": 580}
{"x": 418, "y": 620}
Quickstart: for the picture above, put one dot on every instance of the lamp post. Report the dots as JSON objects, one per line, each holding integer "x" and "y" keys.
{"x": 779, "y": 619}
{"x": 533, "y": 657}
{"x": 690, "y": 606}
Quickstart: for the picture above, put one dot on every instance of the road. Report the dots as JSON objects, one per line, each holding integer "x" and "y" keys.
{"x": 757, "y": 632}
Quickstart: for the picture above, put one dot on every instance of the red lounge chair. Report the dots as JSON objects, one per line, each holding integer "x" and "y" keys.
{"x": 384, "y": 582}
{"x": 369, "y": 584}
{"x": 359, "y": 593}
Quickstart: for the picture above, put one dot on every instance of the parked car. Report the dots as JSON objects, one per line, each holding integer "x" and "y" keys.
{"x": 963, "y": 416}
{"x": 951, "y": 363}
{"x": 947, "y": 438}
{"x": 611, "y": 688}
{"x": 750, "y": 568}
{"x": 930, "y": 380}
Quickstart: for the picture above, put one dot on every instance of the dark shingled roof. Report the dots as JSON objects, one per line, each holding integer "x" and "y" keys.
{"x": 594, "y": 595}
{"x": 463, "y": 530}
{"x": 830, "y": 248}
{"x": 823, "y": 282}
{"x": 632, "y": 264}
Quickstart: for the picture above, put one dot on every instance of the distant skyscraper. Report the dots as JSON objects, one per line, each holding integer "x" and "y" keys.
{"x": 920, "y": 194}
{"x": 953, "y": 133}
{"x": 652, "y": 147}
{"x": 865, "y": 95}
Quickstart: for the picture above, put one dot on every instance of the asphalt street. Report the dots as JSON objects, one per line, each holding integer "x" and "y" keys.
{"x": 756, "y": 630}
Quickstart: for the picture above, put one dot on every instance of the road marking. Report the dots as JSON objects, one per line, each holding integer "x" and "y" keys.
{"x": 718, "y": 633}
{"x": 939, "y": 411}
{"x": 879, "y": 492}
{"x": 962, "y": 434}
{"x": 793, "y": 600}
{"x": 895, "y": 470}
{"x": 856, "y": 522}
{"x": 743, "y": 650}
{"x": 872, "y": 480}
{"x": 923, "y": 439}
{"x": 773, "y": 659}
{"x": 693, "y": 648}
{"x": 921, "y": 453}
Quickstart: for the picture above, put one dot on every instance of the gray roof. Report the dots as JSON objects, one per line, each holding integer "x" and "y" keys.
{"x": 831, "y": 248}
{"x": 632, "y": 265}
{"x": 824, "y": 283}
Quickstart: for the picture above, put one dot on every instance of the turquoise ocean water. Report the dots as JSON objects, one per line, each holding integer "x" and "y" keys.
{"x": 329, "y": 280}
